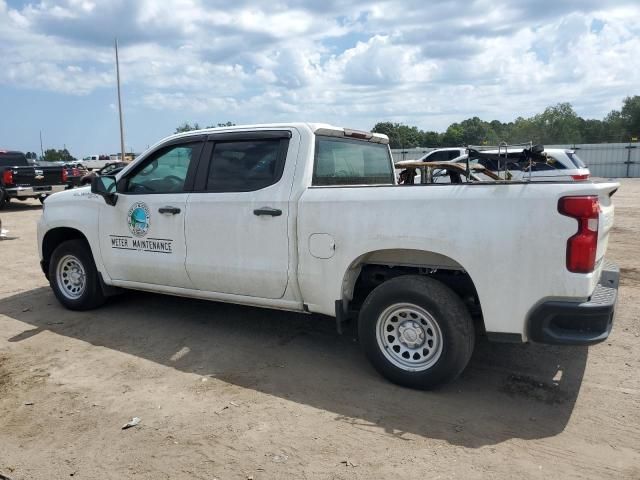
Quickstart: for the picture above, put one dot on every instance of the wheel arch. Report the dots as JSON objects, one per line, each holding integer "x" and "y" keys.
{"x": 399, "y": 262}
{"x": 56, "y": 236}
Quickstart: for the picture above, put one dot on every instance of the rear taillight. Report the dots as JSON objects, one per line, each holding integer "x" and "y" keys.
{"x": 64, "y": 175}
{"x": 580, "y": 177}
{"x": 7, "y": 177}
{"x": 581, "y": 247}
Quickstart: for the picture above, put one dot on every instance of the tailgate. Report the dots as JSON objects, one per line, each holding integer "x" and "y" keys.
{"x": 23, "y": 176}
{"x": 48, "y": 176}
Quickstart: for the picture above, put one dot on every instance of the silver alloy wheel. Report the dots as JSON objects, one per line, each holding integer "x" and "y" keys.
{"x": 409, "y": 337}
{"x": 71, "y": 277}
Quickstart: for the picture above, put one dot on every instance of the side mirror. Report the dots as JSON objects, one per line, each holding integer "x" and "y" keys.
{"x": 105, "y": 186}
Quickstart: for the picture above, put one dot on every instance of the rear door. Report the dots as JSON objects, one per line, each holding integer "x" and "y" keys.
{"x": 142, "y": 236}
{"x": 237, "y": 225}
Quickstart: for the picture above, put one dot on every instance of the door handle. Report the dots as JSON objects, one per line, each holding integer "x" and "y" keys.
{"x": 169, "y": 210}
{"x": 274, "y": 212}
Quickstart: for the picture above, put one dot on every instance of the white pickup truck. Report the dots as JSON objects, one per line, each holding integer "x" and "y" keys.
{"x": 308, "y": 217}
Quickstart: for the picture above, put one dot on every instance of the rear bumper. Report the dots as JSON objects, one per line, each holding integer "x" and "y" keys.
{"x": 35, "y": 191}
{"x": 570, "y": 323}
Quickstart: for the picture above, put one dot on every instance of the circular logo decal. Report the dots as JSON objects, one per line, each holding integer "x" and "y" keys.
{"x": 138, "y": 219}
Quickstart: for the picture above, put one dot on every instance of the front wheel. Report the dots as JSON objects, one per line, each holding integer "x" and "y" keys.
{"x": 416, "y": 332}
{"x": 73, "y": 276}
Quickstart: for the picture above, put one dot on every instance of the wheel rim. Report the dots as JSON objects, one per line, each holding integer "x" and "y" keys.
{"x": 409, "y": 337}
{"x": 71, "y": 276}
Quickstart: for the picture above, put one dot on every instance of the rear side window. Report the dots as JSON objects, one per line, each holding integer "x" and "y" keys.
{"x": 351, "y": 162}
{"x": 556, "y": 164}
{"x": 441, "y": 156}
{"x": 576, "y": 160}
{"x": 246, "y": 165}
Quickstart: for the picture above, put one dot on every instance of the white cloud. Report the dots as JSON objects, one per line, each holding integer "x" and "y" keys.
{"x": 421, "y": 62}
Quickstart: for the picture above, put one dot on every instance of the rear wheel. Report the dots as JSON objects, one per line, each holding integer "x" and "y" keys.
{"x": 73, "y": 276}
{"x": 416, "y": 332}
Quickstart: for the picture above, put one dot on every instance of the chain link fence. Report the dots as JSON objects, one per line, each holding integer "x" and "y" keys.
{"x": 608, "y": 160}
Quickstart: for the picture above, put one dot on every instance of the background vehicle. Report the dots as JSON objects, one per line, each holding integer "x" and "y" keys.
{"x": 75, "y": 171}
{"x": 559, "y": 164}
{"x": 96, "y": 161}
{"x": 442, "y": 172}
{"x": 443, "y": 154}
{"x": 20, "y": 180}
{"x": 550, "y": 164}
{"x": 308, "y": 217}
{"x": 109, "y": 169}
{"x": 75, "y": 174}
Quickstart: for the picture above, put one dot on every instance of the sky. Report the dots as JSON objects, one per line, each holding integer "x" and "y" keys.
{"x": 422, "y": 62}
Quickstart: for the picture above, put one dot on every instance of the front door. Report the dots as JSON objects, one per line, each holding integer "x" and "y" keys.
{"x": 237, "y": 224}
{"x": 142, "y": 236}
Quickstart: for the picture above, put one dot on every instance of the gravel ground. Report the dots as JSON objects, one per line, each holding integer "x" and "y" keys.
{"x": 232, "y": 392}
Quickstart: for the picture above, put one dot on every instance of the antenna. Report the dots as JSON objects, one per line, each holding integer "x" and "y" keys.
{"x": 119, "y": 103}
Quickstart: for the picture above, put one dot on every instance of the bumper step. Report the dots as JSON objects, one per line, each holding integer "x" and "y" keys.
{"x": 569, "y": 323}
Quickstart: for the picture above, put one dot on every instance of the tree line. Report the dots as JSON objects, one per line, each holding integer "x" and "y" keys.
{"x": 558, "y": 124}
{"x": 187, "y": 127}
{"x": 52, "y": 155}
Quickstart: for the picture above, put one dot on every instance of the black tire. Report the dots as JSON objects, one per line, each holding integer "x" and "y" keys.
{"x": 442, "y": 306}
{"x": 4, "y": 198}
{"x": 91, "y": 296}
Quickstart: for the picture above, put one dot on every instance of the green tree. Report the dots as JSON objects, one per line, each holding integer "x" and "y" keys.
{"x": 431, "y": 139}
{"x": 558, "y": 124}
{"x": 454, "y": 136}
{"x": 52, "y": 155}
{"x": 400, "y": 135}
{"x": 187, "y": 127}
{"x": 630, "y": 116}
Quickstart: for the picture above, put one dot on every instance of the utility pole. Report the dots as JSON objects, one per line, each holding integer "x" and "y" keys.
{"x": 119, "y": 104}
{"x": 41, "y": 149}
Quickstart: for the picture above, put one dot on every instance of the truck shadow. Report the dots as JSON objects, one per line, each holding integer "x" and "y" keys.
{"x": 508, "y": 391}
{"x": 16, "y": 205}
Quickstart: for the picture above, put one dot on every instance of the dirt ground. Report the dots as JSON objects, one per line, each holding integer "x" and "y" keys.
{"x": 231, "y": 392}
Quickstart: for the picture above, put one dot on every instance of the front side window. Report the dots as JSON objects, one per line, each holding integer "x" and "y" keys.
{"x": 165, "y": 172}
{"x": 246, "y": 165}
{"x": 351, "y": 162}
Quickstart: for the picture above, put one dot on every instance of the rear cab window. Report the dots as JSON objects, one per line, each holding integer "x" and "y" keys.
{"x": 342, "y": 161}
{"x": 13, "y": 159}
